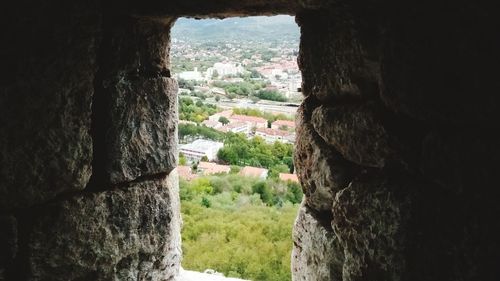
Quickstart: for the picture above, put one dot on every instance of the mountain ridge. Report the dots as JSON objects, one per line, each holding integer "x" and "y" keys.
{"x": 255, "y": 28}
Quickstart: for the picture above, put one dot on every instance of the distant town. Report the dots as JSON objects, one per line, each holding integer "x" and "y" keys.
{"x": 250, "y": 87}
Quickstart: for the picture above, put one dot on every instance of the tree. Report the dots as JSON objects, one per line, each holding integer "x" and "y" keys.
{"x": 276, "y": 169}
{"x": 263, "y": 189}
{"x": 215, "y": 74}
{"x": 204, "y": 158}
{"x": 224, "y": 120}
{"x": 254, "y": 99}
{"x": 217, "y": 98}
{"x": 205, "y": 202}
{"x": 182, "y": 159}
{"x": 284, "y": 128}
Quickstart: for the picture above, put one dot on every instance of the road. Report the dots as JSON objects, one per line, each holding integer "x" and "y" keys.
{"x": 268, "y": 106}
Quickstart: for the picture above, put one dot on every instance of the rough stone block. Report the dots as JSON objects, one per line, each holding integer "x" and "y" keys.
{"x": 321, "y": 169}
{"x": 338, "y": 57}
{"x": 131, "y": 233}
{"x": 45, "y": 101}
{"x": 142, "y": 138}
{"x": 317, "y": 254}
{"x": 357, "y": 132}
{"x": 370, "y": 218}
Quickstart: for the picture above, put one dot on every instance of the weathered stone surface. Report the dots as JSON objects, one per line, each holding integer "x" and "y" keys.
{"x": 136, "y": 100}
{"x": 357, "y": 132}
{"x": 335, "y": 59}
{"x": 369, "y": 218}
{"x": 317, "y": 254}
{"x": 321, "y": 169}
{"x": 131, "y": 233}
{"x": 143, "y": 135}
{"x": 8, "y": 243}
{"x": 45, "y": 100}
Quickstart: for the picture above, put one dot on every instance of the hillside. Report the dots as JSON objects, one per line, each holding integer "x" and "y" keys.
{"x": 249, "y": 28}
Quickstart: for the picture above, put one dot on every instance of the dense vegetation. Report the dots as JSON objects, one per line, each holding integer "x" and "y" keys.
{"x": 250, "y": 88}
{"x": 238, "y": 150}
{"x": 266, "y": 115}
{"x": 191, "y": 131}
{"x": 239, "y": 226}
{"x": 270, "y": 95}
{"x": 195, "y": 111}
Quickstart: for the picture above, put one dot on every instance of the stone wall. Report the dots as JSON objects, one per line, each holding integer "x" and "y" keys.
{"x": 88, "y": 187}
{"x": 394, "y": 145}
{"x": 396, "y": 139}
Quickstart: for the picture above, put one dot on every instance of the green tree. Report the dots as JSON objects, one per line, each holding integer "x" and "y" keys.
{"x": 215, "y": 74}
{"x": 223, "y": 120}
{"x": 182, "y": 159}
{"x": 217, "y": 98}
{"x": 205, "y": 202}
{"x": 275, "y": 170}
{"x": 263, "y": 189}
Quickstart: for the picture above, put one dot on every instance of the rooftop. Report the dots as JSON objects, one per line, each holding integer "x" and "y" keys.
{"x": 284, "y": 123}
{"x": 273, "y": 132}
{"x": 210, "y": 168}
{"x": 186, "y": 173}
{"x": 288, "y": 177}
{"x": 248, "y": 171}
{"x": 245, "y": 118}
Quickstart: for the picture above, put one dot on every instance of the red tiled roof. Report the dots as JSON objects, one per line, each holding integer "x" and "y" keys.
{"x": 186, "y": 173}
{"x": 288, "y": 123}
{"x": 244, "y": 118}
{"x": 288, "y": 177}
{"x": 248, "y": 171}
{"x": 273, "y": 132}
{"x": 210, "y": 168}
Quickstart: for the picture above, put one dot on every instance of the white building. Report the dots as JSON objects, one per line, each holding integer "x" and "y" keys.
{"x": 235, "y": 127}
{"x": 272, "y": 135}
{"x": 212, "y": 124}
{"x": 191, "y": 75}
{"x": 197, "y": 149}
{"x": 223, "y": 69}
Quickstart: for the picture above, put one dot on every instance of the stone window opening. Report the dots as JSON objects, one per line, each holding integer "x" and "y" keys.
{"x": 395, "y": 150}
{"x": 231, "y": 69}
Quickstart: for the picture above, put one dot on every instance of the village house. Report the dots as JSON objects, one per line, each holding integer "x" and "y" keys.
{"x": 283, "y": 125}
{"x": 252, "y": 121}
{"x": 272, "y": 135}
{"x": 237, "y": 127}
{"x": 216, "y": 116}
{"x": 186, "y": 173}
{"x": 248, "y": 171}
{"x": 210, "y": 168}
{"x": 212, "y": 124}
{"x": 288, "y": 177}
